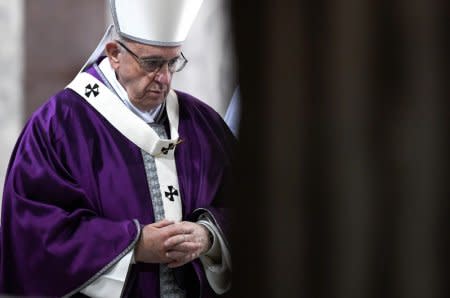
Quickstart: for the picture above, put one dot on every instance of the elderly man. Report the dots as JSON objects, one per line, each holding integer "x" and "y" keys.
{"x": 118, "y": 184}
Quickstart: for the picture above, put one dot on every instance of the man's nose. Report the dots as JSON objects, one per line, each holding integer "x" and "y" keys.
{"x": 163, "y": 75}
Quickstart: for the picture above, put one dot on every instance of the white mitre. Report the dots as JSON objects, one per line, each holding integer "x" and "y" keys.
{"x": 153, "y": 22}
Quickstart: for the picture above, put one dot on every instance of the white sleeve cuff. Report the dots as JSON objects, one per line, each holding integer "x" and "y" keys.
{"x": 111, "y": 283}
{"x": 217, "y": 260}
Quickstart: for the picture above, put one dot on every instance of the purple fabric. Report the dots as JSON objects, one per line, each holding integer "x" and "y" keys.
{"x": 75, "y": 184}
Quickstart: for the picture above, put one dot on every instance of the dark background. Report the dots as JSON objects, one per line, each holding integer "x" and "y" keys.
{"x": 343, "y": 165}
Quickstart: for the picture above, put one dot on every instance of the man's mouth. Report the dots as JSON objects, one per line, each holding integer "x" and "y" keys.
{"x": 156, "y": 91}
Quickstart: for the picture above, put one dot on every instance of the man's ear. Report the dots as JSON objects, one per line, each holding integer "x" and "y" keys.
{"x": 112, "y": 51}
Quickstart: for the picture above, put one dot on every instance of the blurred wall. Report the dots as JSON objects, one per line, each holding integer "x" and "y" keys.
{"x": 11, "y": 52}
{"x": 59, "y": 37}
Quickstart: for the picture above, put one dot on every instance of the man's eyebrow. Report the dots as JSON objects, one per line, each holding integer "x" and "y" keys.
{"x": 153, "y": 57}
{"x": 157, "y": 57}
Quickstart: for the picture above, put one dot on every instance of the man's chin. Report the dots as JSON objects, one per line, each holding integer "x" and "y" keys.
{"x": 153, "y": 101}
{"x": 156, "y": 95}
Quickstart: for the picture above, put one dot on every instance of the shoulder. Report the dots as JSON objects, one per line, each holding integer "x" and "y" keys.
{"x": 45, "y": 126}
{"x": 58, "y": 112}
{"x": 65, "y": 104}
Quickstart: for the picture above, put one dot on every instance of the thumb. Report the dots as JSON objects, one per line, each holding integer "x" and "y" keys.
{"x": 163, "y": 223}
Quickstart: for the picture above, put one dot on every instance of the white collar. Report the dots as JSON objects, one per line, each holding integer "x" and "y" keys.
{"x": 110, "y": 75}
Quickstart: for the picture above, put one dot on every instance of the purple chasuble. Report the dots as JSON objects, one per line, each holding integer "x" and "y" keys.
{"x": 76, "y": 194}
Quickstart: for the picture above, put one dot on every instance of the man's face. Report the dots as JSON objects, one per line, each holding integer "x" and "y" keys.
{"x": 146, "y": 90}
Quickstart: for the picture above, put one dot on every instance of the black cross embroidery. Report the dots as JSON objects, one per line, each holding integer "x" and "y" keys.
{"x": 166, "y": 150}
{"x": 92, "y": 90}
{"x": 171, "y": 193}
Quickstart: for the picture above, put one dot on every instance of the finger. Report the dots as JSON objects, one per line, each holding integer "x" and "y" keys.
{"x": 178, "y": 239}
{"x": 163, "y": 223}
{"x": 178, "y": 229}
{"x": 187, "y": 247}
{"x": 176, "y": 256}
{"x": 180, "y": 262}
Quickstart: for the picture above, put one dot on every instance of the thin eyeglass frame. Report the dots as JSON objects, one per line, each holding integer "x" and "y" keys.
{"x": 141, "y": 61}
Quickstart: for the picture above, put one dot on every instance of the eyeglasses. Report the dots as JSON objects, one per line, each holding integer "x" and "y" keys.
{"x": 154, "y": 65}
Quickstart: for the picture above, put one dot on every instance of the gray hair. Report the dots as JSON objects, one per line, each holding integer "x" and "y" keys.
{"x": 115, "y": 35}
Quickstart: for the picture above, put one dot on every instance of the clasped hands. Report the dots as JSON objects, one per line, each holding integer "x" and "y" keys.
{"x": 172, "y": 243}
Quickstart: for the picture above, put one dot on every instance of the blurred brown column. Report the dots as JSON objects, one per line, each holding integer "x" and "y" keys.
{"x": 342, "y": 163}
{"x": 59, "y": 37}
